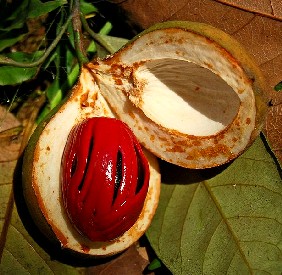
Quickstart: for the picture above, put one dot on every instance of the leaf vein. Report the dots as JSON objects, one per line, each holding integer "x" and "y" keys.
{"x": 10, "y": 252}
{"x": 247, "y": 185}
{"x": 29, "y": 244}
{"x": 254, "y": 217}
{"x": 263, "y": 242}
{"x": 263, "y": 14}
{"x": 230, "y": 229}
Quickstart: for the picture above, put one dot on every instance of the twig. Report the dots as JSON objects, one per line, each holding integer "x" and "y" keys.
{"x": 80, "y": 50}
{"x": 8, "y": 61}
{"x": 97, "y": 37}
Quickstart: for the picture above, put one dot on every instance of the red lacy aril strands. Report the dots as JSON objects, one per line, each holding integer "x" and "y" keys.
{"x": 104, "y": 177}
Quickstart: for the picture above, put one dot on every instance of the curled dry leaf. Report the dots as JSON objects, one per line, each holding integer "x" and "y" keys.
{"x": 255, "y": 24}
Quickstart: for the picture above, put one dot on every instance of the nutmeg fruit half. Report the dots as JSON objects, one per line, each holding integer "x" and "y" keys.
{"x": 43, "y": 186}
{"x": 189, "y": 92}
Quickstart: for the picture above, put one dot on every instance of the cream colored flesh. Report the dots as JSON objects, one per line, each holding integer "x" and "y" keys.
{"x": 187, "y": 98}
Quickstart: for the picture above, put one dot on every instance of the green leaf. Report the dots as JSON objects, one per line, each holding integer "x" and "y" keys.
{"x": 16, "y": 19}
{"x": 36, "y": 8}
{"x": 229, "y": 223}
{"x": 155, "y": 264}
{"x": 278, "y": 87}
{"x": 25, "y": 57}
{"x": 10, "y": 75}
{"x": 105, "y": 30}
{"x": 87, "y": 8}
{"x": 7, "y": 41}
{"x": 113, "y": 43}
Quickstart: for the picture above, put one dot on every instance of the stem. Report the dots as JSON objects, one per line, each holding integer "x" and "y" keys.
{"x": 8, "y": 61}
{"x": 81, "y": 54}
{"x": 97, "y": 37}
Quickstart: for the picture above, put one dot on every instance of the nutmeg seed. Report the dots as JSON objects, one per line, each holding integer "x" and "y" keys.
{"x": 105, "y": 178}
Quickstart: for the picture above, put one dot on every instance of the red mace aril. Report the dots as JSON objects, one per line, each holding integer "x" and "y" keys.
{"x": 104, "y": 177}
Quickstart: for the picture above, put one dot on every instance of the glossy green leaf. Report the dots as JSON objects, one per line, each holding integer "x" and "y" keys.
{"x": 25, "y": 57}
{"x": 37, "y": 8}
{"x": 87, "y": 8}
{"x": 227, "y": 222}
{"x": 7, "y": 41}
{"x": 15, "y": 19}
{"x": 10, "y": 75}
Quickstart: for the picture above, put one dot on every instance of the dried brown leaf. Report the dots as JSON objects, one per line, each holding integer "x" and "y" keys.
{"x": 256, "y": 24}
{"x": 10, "y": 139}
{"x": 129, "y": 262}
{"x": 273, "y": 8}
{"x": 274, "y": 130}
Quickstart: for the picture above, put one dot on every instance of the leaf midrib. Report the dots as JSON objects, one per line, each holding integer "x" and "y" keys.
{"x": 229, "y": 228}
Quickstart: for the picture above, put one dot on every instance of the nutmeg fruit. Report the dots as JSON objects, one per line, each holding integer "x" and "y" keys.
{"x": 189, "y": 92}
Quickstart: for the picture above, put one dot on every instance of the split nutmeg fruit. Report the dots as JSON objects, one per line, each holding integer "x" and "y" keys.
{"x": 190, "y": 94}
